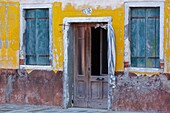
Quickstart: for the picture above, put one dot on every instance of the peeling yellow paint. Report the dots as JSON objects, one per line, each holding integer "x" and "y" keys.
{"x": 146, "y": 73}
{"x": 29, "y": 71}
{"x": 9, "y": 23}
{"x": 9, "y": 29}
{"x": 70, "y": 11}
{"x": 167, "y": 36}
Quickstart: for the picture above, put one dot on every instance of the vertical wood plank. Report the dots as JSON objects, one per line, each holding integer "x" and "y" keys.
{"x": 138, "y": 37}
{"x": 151, "y": 39}
{"x": 42, "y": 36}
{"x": 30, "y": 36}
{"x": 157, "y": 38}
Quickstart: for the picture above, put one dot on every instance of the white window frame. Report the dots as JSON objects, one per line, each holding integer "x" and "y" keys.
{"x": 22, "y": 30}
{"x": 127, "y": 52}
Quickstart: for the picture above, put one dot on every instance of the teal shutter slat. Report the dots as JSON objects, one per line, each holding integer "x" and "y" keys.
{"x": 42, "y": 37}
{"x": 37, "y": 37}
{"x": 145, "y": 37}
{"x": 42, "y": 13}
{"x": 138, "y": 12}
{"x": 30, "y": 37}
{"x": 157, "y": 38}
{"x": 30, "y": 13}
{"x": 133, "y": 43}
{"x": 141, "y": 43}
{"x": 151, "y": 40}
{"x": 138, "y": 37}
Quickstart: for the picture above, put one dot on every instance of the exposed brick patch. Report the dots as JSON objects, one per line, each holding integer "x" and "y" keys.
{"x": 142, "y": 93}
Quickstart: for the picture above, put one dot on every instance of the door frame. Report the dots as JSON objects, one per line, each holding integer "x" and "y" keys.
{"x": 67, "y": 90}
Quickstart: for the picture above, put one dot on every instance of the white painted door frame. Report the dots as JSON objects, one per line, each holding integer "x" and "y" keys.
{"x": 67, "y": 21}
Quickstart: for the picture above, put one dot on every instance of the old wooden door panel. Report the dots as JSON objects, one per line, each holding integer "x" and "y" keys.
{"x": 80, "y": 77}
{"x": 90, "y": 87}
{"x": 98, "y": 80}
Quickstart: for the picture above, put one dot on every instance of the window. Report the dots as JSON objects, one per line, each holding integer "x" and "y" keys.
{"x": 36, "y": 37}
{"x": 36, "y": 34}
{"x": 144, "y": 37}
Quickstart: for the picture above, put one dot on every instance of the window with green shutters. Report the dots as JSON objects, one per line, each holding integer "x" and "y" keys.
{"x": 36, "y": 37}
{"x": 145, "y": 37}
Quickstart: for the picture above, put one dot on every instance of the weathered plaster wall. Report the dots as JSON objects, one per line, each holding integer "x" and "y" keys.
{"x": 167, "y": 36}
{"x": 153, "y": 90}
{"x": 142, "y": 93}
{"x": 37, "y": 87}
{"x": 9, "y": 43}
{"x": 9, "y": 35}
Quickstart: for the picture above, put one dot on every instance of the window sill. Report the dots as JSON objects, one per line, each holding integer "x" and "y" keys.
{"x": 149, "y": 70}
{"x": 33, "y": 67}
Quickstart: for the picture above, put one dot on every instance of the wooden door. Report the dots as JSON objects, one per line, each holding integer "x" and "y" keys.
{"x": 80, "y": 68}
{"x": 98, "y": 73}
{"x": 90, "y": 78}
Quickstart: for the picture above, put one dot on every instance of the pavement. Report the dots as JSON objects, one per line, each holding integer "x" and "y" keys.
{"x": 11, "y": 108}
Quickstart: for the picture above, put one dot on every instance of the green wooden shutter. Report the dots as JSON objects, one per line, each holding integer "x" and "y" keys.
{"x": 30, "y": 36}
{"x": 138, "y": 37}
{"x": 157, "y": 37}
{"x": 152, "y": 37}
{"x": 42, "y": 39}
{"x": 37, "y": 37}
{"x": 145, "y": 37}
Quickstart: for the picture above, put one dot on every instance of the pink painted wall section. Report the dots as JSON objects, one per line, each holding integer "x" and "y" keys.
{"x": 37, "y": 87}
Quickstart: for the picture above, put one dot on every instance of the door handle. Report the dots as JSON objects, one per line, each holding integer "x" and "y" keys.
{"x": 100, "y": 79}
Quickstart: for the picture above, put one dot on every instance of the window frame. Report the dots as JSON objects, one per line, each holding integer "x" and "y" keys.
{"x": 127, "y": 51}
{"x": 22, "y": 30}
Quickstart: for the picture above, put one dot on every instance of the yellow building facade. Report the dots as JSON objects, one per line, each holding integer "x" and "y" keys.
{"x": 147, "y": 84}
